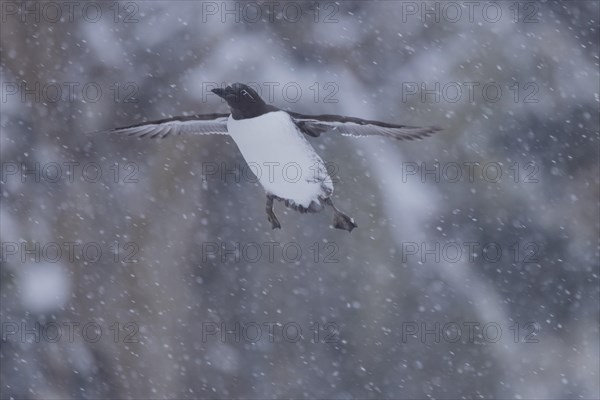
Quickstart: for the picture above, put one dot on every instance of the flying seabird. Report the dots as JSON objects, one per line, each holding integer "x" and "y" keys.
{"x": 267, "y": 135}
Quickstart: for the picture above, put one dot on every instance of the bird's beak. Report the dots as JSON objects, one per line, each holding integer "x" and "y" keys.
{"x": 221, "y": 92}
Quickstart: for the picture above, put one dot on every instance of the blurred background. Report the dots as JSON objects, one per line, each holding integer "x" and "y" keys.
{"x": 130, "y": 271}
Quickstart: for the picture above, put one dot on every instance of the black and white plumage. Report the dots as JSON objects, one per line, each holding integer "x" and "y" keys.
{"x": 268, "y": 136}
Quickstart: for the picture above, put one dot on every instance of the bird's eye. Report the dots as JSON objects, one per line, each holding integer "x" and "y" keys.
{"x": 245, "y": 93}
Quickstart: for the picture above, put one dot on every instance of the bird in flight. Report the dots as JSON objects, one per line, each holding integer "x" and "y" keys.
{"x": 267, "y": 135}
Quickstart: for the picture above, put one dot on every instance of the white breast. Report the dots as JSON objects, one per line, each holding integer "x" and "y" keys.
{"x": 281, "y": 157}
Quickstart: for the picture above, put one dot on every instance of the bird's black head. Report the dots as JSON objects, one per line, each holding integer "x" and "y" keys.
{"x": 243, "y": 101}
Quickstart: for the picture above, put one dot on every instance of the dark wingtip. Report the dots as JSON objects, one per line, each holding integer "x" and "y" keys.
{"x": 418, "y": 133}
{"x": 427, "y": 132}
{"x": 430, "y": 130}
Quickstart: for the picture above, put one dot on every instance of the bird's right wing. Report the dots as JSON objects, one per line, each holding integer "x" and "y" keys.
{"x": 201, "y": 124}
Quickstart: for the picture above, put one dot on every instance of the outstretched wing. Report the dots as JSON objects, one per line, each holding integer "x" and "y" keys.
{"x": 205, "y": 124}
{"x": 315, "y": 125}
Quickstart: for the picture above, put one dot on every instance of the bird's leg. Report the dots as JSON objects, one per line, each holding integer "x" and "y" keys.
{"x": 341, "y": 220}
{"x": 270, "y": 214}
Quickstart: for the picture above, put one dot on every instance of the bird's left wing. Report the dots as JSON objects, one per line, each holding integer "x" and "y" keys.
{"x": 314, "y": 125}
{"x": 202, "y": 124}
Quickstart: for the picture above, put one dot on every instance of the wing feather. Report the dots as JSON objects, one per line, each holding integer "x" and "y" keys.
{"x": 201, "y": 124}
{"x": 315, "y": 125}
